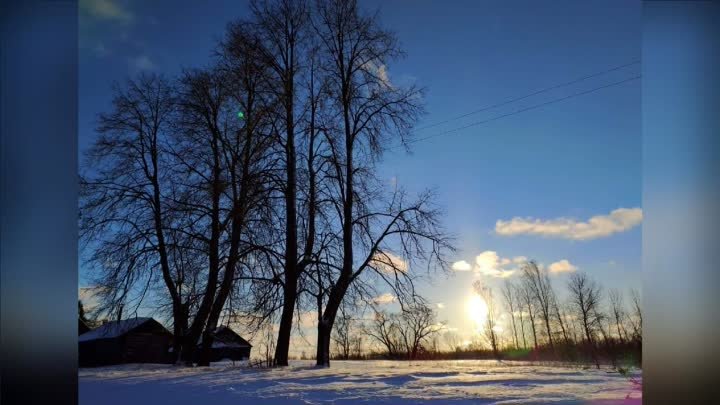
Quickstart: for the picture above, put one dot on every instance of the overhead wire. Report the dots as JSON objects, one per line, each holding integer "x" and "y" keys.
{"x": 544, "y": 90}
{"x": 522, "y": 110}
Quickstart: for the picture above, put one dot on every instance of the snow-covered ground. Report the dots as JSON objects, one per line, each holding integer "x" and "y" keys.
{"x": 357, "y": 382}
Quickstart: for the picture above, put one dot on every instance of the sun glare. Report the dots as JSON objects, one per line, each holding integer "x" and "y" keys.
{"x": 476, "y": 311}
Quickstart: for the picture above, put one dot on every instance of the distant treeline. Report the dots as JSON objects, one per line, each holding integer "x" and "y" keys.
{"x": 613, "y": 353}
{"x": 530, "y": 322}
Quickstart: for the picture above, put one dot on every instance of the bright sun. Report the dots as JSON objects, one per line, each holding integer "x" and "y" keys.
{"x": 477, "y": 311}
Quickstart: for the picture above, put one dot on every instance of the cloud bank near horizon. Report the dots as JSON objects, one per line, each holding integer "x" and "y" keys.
{"x": 598, "y": 226}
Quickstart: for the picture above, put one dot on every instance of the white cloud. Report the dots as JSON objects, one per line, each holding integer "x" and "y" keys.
{"x": 563, "y": 266}
{"x": 462, "y": 265}
{"x": 383, "y": 76}
{"x": 383, "y": 299}
{"x": 599, "y": 226}
{"x": 109, "y": 10}
{"x": 490, "y": 264}
{"x": 379, "y": 71}
{"x": 519, "y": 259}
{"x": 389, "y": 263}
{"x": 440, "y": 305}
{"x": 142, "y": 62}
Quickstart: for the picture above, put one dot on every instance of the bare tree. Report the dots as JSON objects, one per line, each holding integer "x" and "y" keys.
{"x": 284, "y": 42}
{"x": 538, "y": 283}
{"x": 124, "y": 209}
{"x": 370, "y": 112}
{"x": 585, "y": 299}
{"x": 407, "y": 332}
{"x": 509, "y": 292}
{"x": 637, "y": 312}
{"x": 560, "y": 319}
{"x": 226, "y": 164}
{"x": 280, "y": 31}
{"x": 250, "y": 184}
{"x": 267, "y": 344}
{"x": 617, "y": 308}
{"x": 356, "y": 344}
{"x": 527, "y": 298}
{"x": 342, "y": 334}
{"x": 452, "y": 340}
{"x": 417, "y": 328}
{"x": 490, "y": 327}
{"x": 385, "y": 329}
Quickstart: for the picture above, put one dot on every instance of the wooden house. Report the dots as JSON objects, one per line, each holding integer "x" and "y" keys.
{"x": 135, "y": 340}
{"x": 228, "y": 345}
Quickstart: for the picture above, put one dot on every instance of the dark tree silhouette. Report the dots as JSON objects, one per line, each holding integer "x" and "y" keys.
{"x": 585, "y": 298}
{"x": 538, "y": 284}
{"x": 370, "y": 111}
{"x": 124, "y": 210}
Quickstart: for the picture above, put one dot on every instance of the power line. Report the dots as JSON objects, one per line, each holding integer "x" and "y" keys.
{"x": 557, "y": 86}
{"x": 533, "y": 107}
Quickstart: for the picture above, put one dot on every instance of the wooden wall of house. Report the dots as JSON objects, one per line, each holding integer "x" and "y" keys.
{"x": 148, "y": 343}
{"x": 236, "y": 354}
{"x": 146, "y": 348}
{"x": 101, "y": 352}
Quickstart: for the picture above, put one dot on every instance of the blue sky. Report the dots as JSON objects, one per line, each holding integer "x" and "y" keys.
{"x": 574, "y": 159}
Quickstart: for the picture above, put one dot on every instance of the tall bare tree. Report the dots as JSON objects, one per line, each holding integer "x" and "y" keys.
{"x": 225, "y": 161}
{"x": 371, "y": 112}
{"x": 538, "y": 283}
{"x": 124, "y": 209}
{"x": 418, "y": 327}
{"x": 490, "y": 327}
{"x": 617, "y": 307}
{"x": 509, "y": 292}
{"x": 560, "y": 319}
{"x": 637, "y": 314}
{"x": 385, "y": 329}
{"x": 280, "y": 26}
{"x": 527, "y": 299}
{"x": 585, "y": 299}
{"x": 406, "y": 333}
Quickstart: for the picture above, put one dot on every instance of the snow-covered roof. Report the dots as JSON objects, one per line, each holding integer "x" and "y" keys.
{"x": 113, "y": 329}
{"x": 225, "y": 337}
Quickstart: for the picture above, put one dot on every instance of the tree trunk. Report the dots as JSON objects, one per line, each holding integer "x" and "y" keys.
{"x": 522, "y": 329}
{"x": 546, "y": 318}
{"x": 532, "y": 325}
{"x": 338, "y": 292}
{"x": 326, "y": 322}
{"x": 282, "y": 347}
{"x": 562, "y": 326}
{"x": 198, "y": 324}
{"x": 323, "y": 344}
{"x": 291, "y": 243}
{"x": 180, "y": 325}
{"x": 514, "y": 327}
